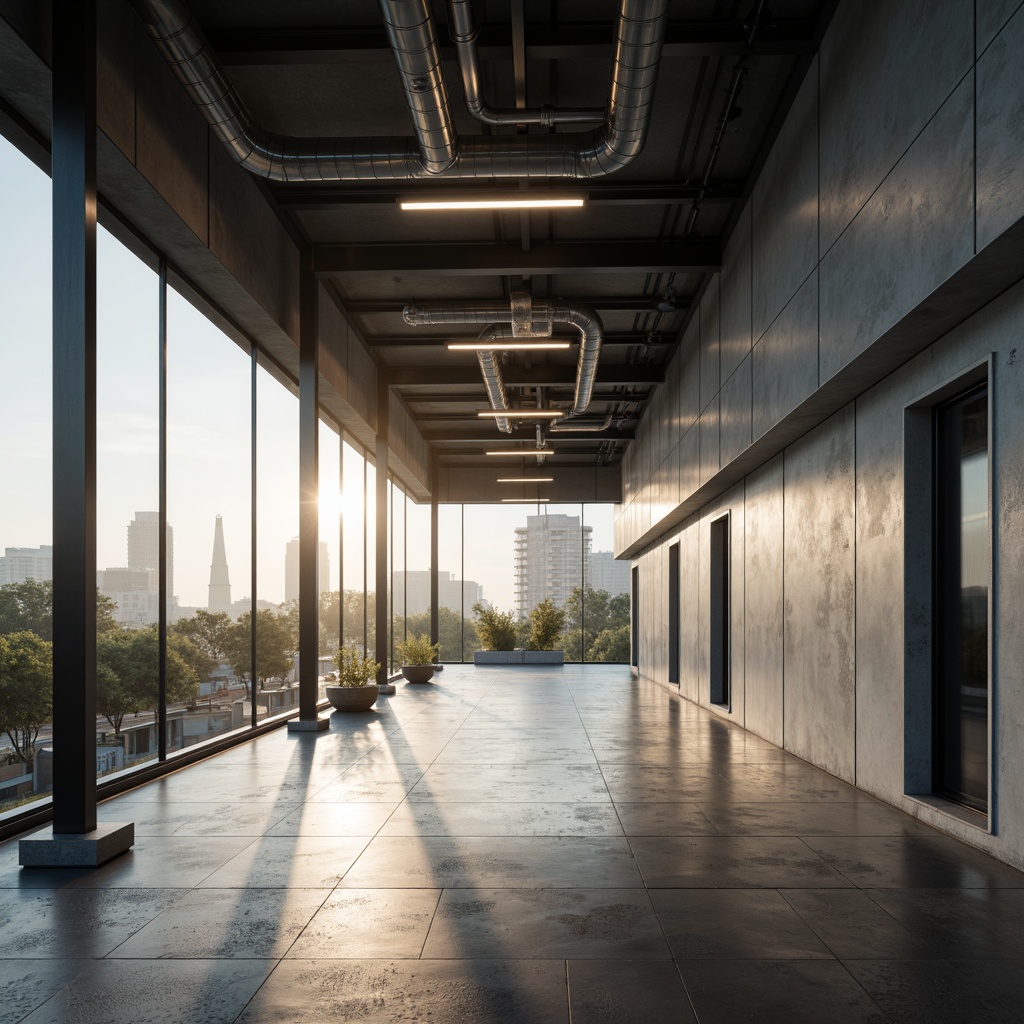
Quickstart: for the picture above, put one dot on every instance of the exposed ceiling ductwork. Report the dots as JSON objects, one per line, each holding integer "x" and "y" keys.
{"x": 435, "y": 152}
{"x": 525, "y": 319}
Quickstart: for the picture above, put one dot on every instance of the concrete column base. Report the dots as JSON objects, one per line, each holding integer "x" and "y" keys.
{"x": 387, "y": 688}
{"x": 309, "y": 725}
{"x": 81, "y": 850}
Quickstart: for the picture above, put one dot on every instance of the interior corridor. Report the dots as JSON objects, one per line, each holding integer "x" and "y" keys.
{"x": 516, "y": 845}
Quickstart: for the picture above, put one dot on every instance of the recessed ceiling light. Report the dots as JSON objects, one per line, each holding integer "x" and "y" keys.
{"x": 506, "y": 202}
{"x": 527, "y": 501}
{"x": 525, "y": 479}
{"x": 520, "y": 454}
{"x": 522, "y": 414}
{"x": 502, "y": 346}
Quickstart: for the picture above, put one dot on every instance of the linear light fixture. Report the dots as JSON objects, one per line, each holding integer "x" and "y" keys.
{"x": 521, "y": 414}
{"x": 526, "y": 479}
{"x": 512, "y": 344}
{"x": 520, "y": 454}
{"x": 504, "y": 202}
{"x": 526, "y": 501}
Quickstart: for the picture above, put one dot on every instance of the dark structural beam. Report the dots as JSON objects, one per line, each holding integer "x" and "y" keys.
{"x": 482, "y": 435}
{"x": 413, "y": 340}
{"x": 369, "y": 45}
{"x": 309, "y": 515}
{"x": 603, "y": 304}
{"x": 432, "y": 260}
{"x": 381, "y": 581}
{"x": 310, "y": 196}
{"x": 434, "y": 376}
{"x": 75, "y": 840}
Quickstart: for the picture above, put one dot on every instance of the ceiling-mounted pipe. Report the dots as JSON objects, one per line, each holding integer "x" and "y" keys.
{"x": 490, "y": 368}
{"x": 464, "y": 33}
{"x": 583, "y": 318}
{"x": 590, "y": 426}
{"x": 616, "y": 143}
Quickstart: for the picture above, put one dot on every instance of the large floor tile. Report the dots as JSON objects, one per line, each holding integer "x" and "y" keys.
{"x": 495, "y": 862}
{"x": 289, "y": 862}
{"x": 388, "y": 991}
{"x": 627, "y": 992}
{"x": 544, "y": 924}
{"x": 333, "y": 819}
{"x": 26, "y": 984}
{"x": 664, "y": 819}
{"x": 440, "y": 818}
{"x": 155, "y": 992}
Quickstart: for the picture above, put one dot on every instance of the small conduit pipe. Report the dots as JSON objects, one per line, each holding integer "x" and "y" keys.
{"x": 590, "y": 426}
{"x": 464, "y": 33}
{"x": 583, "y": 318}
{"x": 613, "y": 145}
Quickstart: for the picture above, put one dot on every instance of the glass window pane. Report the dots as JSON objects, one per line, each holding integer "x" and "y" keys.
{"x": 277, "y": 543}
{"x": 26, "y": 446}
{"x": 209, "y": 415}
{"x": 370, "y": 501}
{"x": 417, "y": 568}
{"x": 489, "y": 538}
{"x": 329, "y": 565}
{"x": 605, "y": 611}
{"x": 353, "y": 513}
{"x": 455, "y": 612}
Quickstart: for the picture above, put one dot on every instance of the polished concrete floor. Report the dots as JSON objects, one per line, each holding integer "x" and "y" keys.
{"x": 520, "y": 846}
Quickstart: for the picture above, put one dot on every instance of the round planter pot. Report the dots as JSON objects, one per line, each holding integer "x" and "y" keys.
{"x": 418, "y": 673}
{"x": 352, "y": 698}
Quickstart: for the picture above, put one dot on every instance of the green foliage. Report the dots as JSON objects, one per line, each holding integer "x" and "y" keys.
{"x": 26, "y": 689}
{"x": 27, "y": 607}
{"x": 610, "y": 645}
{"x": 275, "y": 645}
{"x": 498, "y": 631}
{"x": 546, "y": 624}
{"x": 451, "y": 627}
{"x": 105, "y": 608}
{"x": 354, "y": 669}
{"x": 128, "y": 672}
{"x": 207, "y": 633}
{"x": 417, "y": 650}
{"x": 587, "y": 617}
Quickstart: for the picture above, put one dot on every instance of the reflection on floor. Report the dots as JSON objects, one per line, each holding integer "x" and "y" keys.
{"x": 515, "y": 845}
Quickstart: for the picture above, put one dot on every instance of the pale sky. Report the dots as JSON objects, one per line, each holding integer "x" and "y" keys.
{"x": 209, "y": 417}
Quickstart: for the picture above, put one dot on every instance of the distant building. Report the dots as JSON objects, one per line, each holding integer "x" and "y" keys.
{"x": 550, "y": 553}
{"x": 135, "y": 587}
{"x": 20, "y": 564}
{"x": 291, "y": 570}
{"x": 411, "y": 593}
{"x": 606, "y": 572}
{"x": 219, "y": 599}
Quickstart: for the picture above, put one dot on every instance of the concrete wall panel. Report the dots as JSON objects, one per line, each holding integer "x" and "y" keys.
{"x": 115, "y": 75}
{"x": 785, "y": 210}
{"x": 710, "y": 446}
{"x": 885, "y": 69}
{"x": 710, "y": 325}
{"x": 736, "y": 296}
{"x": 689, "y": 612}
{"x": 689, "y": 462}
{"x": 763, "y": 597}
{"x": 989, "y": 18}
{"x": 736, "y": 411}
{"x": 689, "y": 375}
{"x": 819, "y": 572}
{"x": 1001, "y": 133}
{"x": 785, "y": 360}
{"x": 914, "y": 232}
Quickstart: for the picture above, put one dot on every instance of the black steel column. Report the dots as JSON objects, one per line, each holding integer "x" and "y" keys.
{"x": 253, "y": 526}
{"x": 309, "y": 494}
{"x": 341, "y": 537}
{"x": 74, "y": 416}
{"x": 381, "y": 641}
{"x": 161, "y": 706}
{"x": 434, "y": 590}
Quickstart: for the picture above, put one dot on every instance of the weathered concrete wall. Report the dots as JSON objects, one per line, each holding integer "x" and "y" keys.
{"x": 853, "y": 290}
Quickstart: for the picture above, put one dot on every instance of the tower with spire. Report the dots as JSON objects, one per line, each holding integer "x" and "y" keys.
{"x": 220, "y": 585}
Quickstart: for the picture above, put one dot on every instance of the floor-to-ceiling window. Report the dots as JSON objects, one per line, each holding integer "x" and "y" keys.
{"x": 961, "y": 574}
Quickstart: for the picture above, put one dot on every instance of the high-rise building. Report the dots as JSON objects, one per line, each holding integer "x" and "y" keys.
{"x": 550, "y": 554}
{"x": 291, "y": 569}
{"x": 606, "y": 572}
{"x": 220, "y": 586}
{"x": 144, "y": 545}
{"x": 20, "y": 564}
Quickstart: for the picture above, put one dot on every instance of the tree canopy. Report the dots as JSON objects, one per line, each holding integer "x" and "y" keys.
{"x": 276, "y": 642}
{"x": 26, "y": 689}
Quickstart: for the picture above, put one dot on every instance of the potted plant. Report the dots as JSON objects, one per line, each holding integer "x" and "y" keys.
{"x": 356, "y": 688}
{"x": 417, "y": 656}
{"x": 498, "y": 633}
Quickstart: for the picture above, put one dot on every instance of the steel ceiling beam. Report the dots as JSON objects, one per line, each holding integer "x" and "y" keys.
{"x": 436, "y": 340}
{"x": 428, "y": 260}
{"x": 316, "y": 196}
{"x": 448, "y": 398}
{"x": 248, "y": 47}
{"x": 517, "y": 376}
{"x": 606, "y": 304}
{"x": 476, "y": 435}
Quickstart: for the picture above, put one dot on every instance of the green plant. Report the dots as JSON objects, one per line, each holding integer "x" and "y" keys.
{"x": 417, "y": 650}
{"x": 354, "y": 668}
{"x": 497, "y": 630}
{"x": 546, "y": 624}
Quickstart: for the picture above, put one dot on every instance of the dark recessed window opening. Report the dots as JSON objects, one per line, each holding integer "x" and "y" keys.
{"x": 720, "y": 641}
{"x": 673, "y": 614}
{"x": 960, "y": 626}
{"x": 635, "y": 651}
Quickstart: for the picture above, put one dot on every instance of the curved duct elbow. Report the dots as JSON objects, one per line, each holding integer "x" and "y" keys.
{"x": 436, "y": 152}
{"x": 490, "y": 369}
